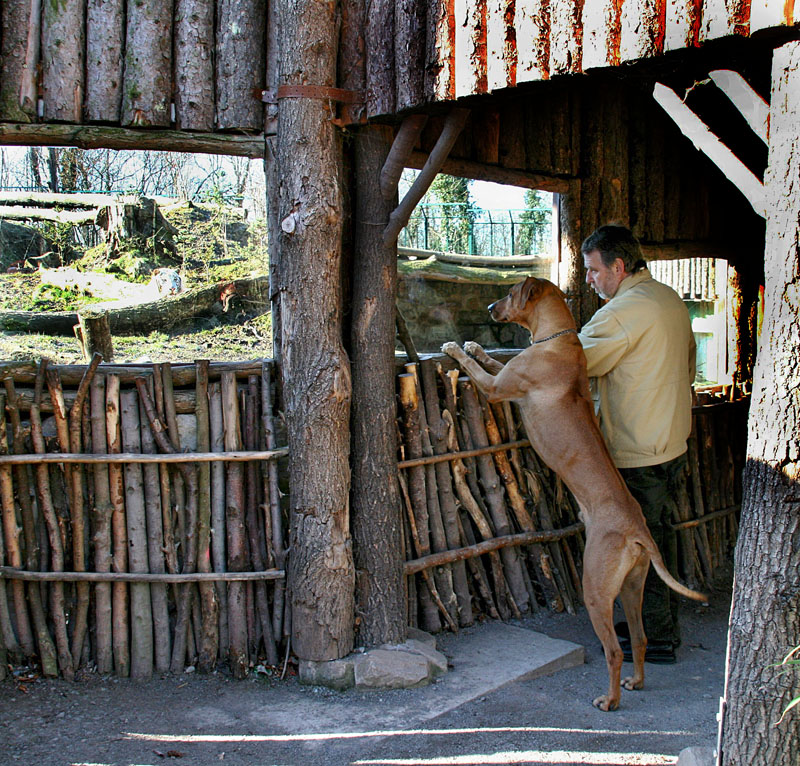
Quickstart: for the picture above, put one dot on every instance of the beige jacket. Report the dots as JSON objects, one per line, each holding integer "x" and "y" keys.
{"x": 640, "y": 352}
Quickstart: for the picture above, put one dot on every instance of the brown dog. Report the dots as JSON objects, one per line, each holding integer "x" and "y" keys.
{"x": 548, "y": 380}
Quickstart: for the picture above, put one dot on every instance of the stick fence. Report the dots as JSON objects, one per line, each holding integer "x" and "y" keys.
{"x": 142, "y": 529}
{"x": 126, "y": 527}
{"x": 519, "y": 541}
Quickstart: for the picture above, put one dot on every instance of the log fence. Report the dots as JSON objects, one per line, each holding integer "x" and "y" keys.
{"x": 519, "y": 533}
{"x": 138, "y": 517}
{"x": 143, "y": 532}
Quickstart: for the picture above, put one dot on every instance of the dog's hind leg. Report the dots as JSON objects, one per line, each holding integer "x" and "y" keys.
{"x": 631, "y": 597}
{"x": 603, "y": 573}
{"x": 601, "y": 613}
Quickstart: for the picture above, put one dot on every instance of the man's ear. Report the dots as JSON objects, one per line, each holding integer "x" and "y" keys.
{"x": 529, "y": 290}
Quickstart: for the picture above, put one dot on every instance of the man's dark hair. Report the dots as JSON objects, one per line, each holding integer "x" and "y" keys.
{"x": 614, "y": 241}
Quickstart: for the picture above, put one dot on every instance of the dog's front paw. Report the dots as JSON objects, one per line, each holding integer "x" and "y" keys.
{"x": 451, "y": 349}
{"x": 473, "y": 348}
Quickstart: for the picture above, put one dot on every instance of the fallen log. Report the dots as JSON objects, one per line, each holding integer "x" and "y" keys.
{"x": 49, "y": 199}
{"x": 75, "y": 217}
{"x": 142, "y": 318}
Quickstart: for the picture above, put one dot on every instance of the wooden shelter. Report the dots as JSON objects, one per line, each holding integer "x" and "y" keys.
{"x": 600, "y": 102}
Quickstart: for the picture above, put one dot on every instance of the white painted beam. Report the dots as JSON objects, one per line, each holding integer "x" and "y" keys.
{"x": 752, "y": 106}
{"x": 703, "y": 139}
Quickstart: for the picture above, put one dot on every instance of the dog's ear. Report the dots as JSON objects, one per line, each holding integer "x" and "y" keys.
{"x": 530, "y": 288}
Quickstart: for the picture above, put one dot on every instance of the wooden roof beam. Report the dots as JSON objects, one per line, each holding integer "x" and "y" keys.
{"x": 703, "y": 139}
{"x": 479, "y": 171}
{"x": 103, "y": 137}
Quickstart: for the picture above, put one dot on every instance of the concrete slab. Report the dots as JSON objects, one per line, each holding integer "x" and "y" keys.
{"x": 484, "y": 658}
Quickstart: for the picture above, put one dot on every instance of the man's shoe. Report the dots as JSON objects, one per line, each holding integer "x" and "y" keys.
{"x": 657, "y": 653}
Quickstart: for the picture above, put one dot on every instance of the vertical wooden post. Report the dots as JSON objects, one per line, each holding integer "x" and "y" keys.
{"x": 764, "y": 619}
{"x": 316, "y": 370}
{"x": 375, "y": 497}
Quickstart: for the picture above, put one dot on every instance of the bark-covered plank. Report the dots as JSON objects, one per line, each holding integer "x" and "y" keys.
{"x": 682, "y": 24}
{"x": 105, "y": 30}
{"x": 642, "y": 29}
{"x": 601, "y": 33}
{"x": 566, "y": 36}
{"x": 194, "y": 65}
{"x": 532, "y": 25}
{"x": 240, "y": 64}
{"x": 440, "y": 51}
{"x": 409, "y": 52}
{"x": 380, "y": 28}
{"x": 19, "y": 46}
{"x": 470, "y": 43}
{"x": 501, "y": 48}
{"x": 147, "y": 90}
{"x": 63, "y": 47}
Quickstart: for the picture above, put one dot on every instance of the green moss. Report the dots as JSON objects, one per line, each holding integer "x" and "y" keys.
{"x": 52, "y": 298}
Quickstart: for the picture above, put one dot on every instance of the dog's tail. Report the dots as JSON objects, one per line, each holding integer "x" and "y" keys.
{"x": 663, "y": 573}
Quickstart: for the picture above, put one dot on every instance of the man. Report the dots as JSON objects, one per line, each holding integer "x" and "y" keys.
{"x": 640, "y": 353}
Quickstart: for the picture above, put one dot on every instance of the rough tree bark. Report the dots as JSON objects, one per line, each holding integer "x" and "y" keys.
{"x": 17, "y": 79}
{"x": 240, "y": 63}
{"x": 148, "y": 64}
{"x": 105, "y": 26}
{"x": 377, "y": 530}
{"x": 63, "y": 46}
{"x": 316, "y": 370}
{"x": 765, "y": 619}
{"x": 194, "y": 66}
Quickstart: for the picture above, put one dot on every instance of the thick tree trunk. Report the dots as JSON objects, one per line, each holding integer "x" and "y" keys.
{"x": 377, "y": 529}
{"x": 240, "y": 63}
{"x": 148, "y": 64}
{"x": 95, "y": 334}
{"x": 105, "y": 26}
{"x": 63, "y": 46}
{"x": 194, "y": 65}
{"x": 765, "y": 621}
{"x": 316, "y": 370}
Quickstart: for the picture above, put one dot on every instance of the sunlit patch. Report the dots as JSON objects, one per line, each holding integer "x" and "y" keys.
{"x": 533, "y": 757}
{"x": 323, "y": 736}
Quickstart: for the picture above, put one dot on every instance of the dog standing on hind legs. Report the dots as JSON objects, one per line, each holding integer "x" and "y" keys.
{"x": 549, "y": 383}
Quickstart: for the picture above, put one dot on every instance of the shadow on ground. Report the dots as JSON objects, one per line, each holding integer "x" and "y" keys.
{"x": 194, "y": 721}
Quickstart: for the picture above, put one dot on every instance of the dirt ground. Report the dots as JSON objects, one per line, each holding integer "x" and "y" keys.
{"x": 199, "y": 721}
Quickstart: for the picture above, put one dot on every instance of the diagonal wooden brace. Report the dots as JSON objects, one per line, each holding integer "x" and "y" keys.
{"x": 751, "y": 105}
{"x": 453, "y": 126}
{"x": 402, "y": 148}
{"x": 701, "y": 136}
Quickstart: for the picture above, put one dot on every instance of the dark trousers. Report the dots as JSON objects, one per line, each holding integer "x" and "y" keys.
{"x": 656, "y": 488}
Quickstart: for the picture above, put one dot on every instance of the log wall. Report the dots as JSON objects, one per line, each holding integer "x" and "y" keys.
{"x": 142, "y": 531}
{"x": 159, "y": 66}
{"x": 152, "y": 66}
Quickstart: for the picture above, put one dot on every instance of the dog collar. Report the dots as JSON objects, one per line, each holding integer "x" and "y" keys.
{"x": 555, "y": 335}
